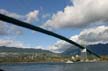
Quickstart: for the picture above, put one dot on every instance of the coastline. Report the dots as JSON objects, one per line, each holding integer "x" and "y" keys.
{"x": 51, "y": 62}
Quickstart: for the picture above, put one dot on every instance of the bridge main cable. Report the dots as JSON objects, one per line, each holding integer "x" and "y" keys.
{"x": 35, "y": 28}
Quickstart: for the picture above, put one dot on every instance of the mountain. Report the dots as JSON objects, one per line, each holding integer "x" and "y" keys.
{"x": 13, "y": 51}
{"x": 71, "y": 51}
{"x": 22, "y": 50}
{"x": 100, "y": 49}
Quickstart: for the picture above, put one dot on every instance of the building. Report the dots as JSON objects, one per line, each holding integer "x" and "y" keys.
{"x": 83, "y": 54}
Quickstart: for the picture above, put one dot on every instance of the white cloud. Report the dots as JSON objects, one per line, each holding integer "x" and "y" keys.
{"x": 40, "y": 47}
{"x": 18, "y": 44}
{"x": 29, "y": 17}
{"x": 92, "y": 36}
{"x": 32, "y": 16}
{"x": 11, "y": 14}
{"x": 6, "y": 29}
{"x": 81, "y": 14}
{"x": 86, "y": 37}
{"x": 59, "y": 46}
{"x": 11, "y": 43}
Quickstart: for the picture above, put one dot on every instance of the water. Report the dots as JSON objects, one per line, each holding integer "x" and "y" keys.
{"x": 99, "y": 66}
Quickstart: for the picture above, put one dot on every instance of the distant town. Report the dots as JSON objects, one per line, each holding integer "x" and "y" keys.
{"x": 11, "y": 55}
{"x": 41, "y": 58}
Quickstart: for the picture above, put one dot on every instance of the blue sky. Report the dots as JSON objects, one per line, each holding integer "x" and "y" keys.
{"x": 83, "y": 21}
{"x": 50, "y": 7}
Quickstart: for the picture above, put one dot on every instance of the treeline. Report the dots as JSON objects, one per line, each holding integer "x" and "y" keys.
{"x": 34, "y": 58}
{"x": 28, "y": 59}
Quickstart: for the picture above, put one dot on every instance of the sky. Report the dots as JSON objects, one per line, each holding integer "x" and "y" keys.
{"x": 83, "y": 21}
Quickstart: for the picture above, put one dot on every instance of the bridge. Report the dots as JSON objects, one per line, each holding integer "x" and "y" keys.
{"x": 35, "y": 28}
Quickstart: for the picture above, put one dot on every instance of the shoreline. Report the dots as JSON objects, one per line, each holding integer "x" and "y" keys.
{"x": 50, "y": 62}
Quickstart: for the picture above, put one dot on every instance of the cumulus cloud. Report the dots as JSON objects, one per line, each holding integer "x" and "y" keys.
{"x": 59, "y": 46}
{"x": 6, "y": 29}
{"x": 32, "y": 16}
{"x": 86, "y": 37}
{"x": 81, "y": 14}
{"x": 92, "y": 36}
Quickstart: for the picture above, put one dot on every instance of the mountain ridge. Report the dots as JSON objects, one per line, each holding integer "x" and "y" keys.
{"x": 100, "y": 49}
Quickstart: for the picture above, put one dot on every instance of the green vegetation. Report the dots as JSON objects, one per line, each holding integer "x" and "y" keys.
{"x": 11, "y": 55}
{"x": 42, "y": 58}
{"x": 33, "y": 58}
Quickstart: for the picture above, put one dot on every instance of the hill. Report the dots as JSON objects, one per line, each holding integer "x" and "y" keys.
{"x": 22, "y": 50}
{"x": 101, "y": 49}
